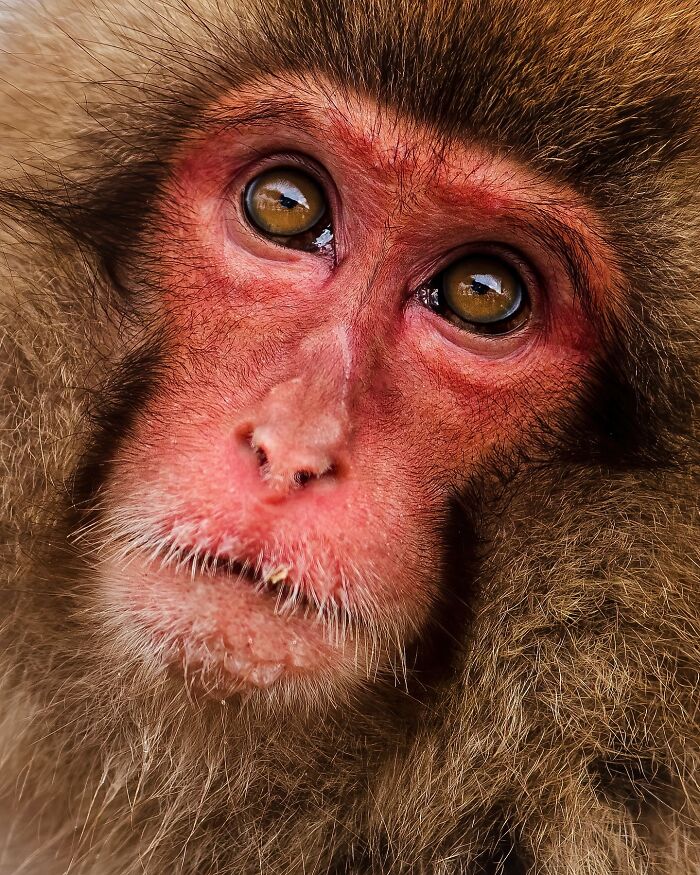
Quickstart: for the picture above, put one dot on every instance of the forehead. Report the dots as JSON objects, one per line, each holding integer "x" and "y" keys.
{"x": 387, "y": 146}
{"x": 579, "y": 91}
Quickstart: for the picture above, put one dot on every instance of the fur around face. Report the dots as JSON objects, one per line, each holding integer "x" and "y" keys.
{"x": 563, "y": 736}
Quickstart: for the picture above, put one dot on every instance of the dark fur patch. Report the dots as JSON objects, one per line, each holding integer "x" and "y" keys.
{"x": 434, "y": 659}
{"x": 113, "y": 415}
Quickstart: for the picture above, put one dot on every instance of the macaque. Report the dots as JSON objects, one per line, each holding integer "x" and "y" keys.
{"x": 349, "y": 462}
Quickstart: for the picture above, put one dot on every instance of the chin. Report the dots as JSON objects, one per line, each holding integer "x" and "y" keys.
{"x": 231, "y": 626}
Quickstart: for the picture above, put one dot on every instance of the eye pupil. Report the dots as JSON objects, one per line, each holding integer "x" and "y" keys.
{"x": 480, "y": 286}
{"x": 288, "y": 202}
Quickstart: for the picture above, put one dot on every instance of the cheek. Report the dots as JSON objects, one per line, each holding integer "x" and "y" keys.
{"x": 235, "y": 328}
{"x": 463, "y": 406}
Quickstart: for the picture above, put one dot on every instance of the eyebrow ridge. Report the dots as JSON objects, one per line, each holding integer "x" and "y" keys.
{"x": 292, "y": 113}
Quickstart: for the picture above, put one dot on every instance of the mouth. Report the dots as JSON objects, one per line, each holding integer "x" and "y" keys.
{"x": 293, "y": 592}
{"x": 233, "y": 622}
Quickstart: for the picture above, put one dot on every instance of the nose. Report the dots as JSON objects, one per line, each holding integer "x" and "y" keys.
{"x": 300, "y": 428}
{"x": 296, "y": 439}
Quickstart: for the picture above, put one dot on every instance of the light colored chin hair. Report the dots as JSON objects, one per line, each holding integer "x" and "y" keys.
{"x": 194, "y": 766}
{"x": 21, "y": 853}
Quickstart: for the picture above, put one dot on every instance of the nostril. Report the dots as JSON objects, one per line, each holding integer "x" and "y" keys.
{"x": 301, "y": 478}
{"x": 247, "y": 437}
{"x": 260, "y": 454}
{"x": 304, "y": 475}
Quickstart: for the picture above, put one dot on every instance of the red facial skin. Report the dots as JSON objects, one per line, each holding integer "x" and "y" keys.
{"x": 330, "y": 366}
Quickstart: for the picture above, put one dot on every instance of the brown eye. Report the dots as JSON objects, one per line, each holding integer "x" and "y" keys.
{"x": 284, "y": 202}
{"x": 484, "y": 292}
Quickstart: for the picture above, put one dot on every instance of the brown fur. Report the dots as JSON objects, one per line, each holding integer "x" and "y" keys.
{"x": 564, "y": 737}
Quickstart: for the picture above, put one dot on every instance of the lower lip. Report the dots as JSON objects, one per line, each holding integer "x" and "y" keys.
{"x": 219, "y": 627}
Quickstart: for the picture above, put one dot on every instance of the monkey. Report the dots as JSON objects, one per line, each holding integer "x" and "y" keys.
{"x": 349, "y": 453}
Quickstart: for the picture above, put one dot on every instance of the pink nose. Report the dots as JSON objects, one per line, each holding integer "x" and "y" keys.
{"x": 297, "y": 434}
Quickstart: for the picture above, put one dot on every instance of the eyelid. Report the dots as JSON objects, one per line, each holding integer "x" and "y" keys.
{"x": 435, "y": 264}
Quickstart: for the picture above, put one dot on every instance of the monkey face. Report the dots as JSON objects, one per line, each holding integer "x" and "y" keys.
{"x": 355, "y": 321}
{"x": 348, "y": 437}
